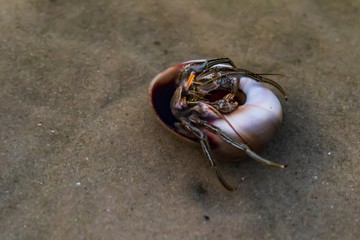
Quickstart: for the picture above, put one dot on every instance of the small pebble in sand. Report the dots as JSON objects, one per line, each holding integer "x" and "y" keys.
{"x": 78, "y": 183}
{"x": 329, "y": 153}
{"x": 39, "y": 124}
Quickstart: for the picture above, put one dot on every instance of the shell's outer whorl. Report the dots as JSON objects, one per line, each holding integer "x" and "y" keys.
{"x": 256, "y": 121}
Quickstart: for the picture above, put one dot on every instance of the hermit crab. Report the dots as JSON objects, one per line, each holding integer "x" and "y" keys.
{"x": 224, "y": 108}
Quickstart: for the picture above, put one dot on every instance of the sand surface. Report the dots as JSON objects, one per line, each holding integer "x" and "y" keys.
{"x": 82, "y": 155}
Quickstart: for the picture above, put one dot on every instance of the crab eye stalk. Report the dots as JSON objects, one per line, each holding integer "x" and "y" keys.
{"x": 190, "y": 81}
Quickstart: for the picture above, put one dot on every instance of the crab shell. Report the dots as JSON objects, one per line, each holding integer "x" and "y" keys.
{"x": 255, "y": 121}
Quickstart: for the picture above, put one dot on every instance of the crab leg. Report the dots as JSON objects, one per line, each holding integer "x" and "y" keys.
{"x": 206, "y": 64}
{"x": 215, "y": 61}
{"x": 240, "y": 146}
{"x": 203, "y": 139}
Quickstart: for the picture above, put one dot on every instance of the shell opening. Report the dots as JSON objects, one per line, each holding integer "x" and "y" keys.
{"x": 161, "y": 95}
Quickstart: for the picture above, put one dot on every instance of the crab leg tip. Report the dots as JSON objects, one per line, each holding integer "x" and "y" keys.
{"x": 223, "y": 182}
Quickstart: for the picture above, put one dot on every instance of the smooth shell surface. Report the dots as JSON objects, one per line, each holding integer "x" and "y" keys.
{"x": 255, "y": 121}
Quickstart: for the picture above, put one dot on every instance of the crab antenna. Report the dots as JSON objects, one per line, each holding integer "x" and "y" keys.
{"x": 190, "y": 81}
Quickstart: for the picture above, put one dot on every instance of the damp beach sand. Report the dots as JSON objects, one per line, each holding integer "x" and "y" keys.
{"x": 82, "y": 156}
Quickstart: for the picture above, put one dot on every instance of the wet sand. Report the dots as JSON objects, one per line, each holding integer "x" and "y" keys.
{"x": 82, "y": 155}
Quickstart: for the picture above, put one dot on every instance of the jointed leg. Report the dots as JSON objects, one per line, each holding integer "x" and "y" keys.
{"x": 206, "y": 149}
{"x": 215, "y": 61}
{"x": 201, "y": 66}
{"x": 256, "y": 77}
{"x": 240, "y": 146}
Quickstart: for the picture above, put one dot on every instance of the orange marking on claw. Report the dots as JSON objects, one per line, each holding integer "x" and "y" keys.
{"x": 190, "y": 81}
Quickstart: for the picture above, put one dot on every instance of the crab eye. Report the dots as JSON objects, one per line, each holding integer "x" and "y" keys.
{"x": 183, "y": 103}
